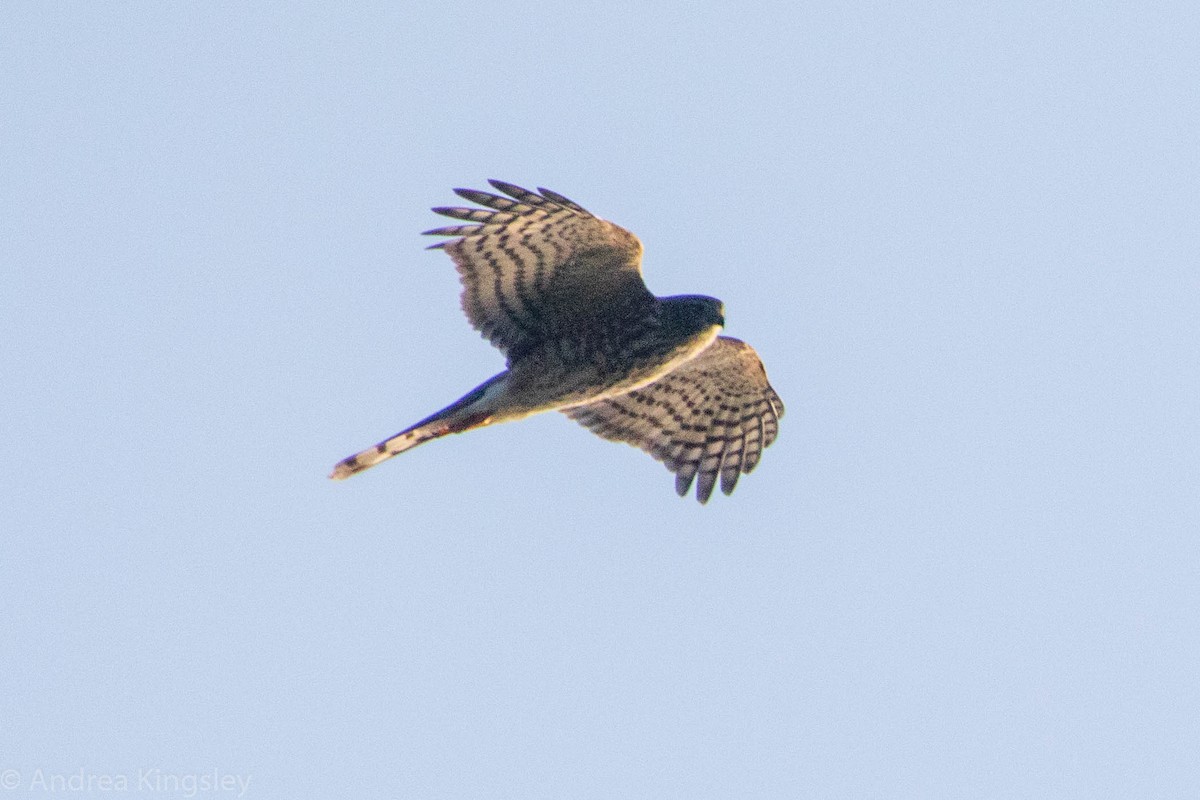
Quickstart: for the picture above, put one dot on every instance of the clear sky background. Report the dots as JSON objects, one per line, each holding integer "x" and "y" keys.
{"x": 964, "y": 240}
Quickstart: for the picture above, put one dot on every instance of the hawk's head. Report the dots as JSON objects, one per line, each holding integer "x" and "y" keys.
{"x": 693, "y": 313}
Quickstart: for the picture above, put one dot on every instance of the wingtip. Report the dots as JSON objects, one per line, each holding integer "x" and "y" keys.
{"x": 435, "y": 245}
{"x": 511, "y": 189}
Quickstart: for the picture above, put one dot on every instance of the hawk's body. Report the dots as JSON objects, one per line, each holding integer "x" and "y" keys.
{"x": 560, "y": 292}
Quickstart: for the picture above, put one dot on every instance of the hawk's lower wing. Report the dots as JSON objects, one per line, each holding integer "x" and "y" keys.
{"x": 711, "y": 416}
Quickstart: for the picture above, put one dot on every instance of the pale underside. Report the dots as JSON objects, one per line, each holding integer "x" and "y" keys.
{"x": 560, "y": 292}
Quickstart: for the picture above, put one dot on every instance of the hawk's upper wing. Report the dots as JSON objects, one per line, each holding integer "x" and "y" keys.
{"x": 711, "y": 416}
{"x": 532, "y": 266}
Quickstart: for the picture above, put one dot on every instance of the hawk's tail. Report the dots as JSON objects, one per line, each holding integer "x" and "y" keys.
{"x": 470, "y": 411}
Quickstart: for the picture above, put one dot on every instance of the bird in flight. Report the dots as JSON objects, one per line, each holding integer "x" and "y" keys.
{"x": 559, "y": 291}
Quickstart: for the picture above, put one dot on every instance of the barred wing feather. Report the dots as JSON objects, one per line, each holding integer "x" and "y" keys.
{"x": 533, "y": 264}
{"x": 709, "y": 418}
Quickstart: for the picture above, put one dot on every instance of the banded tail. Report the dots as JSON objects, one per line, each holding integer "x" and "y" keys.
{"x": 470, "y": 411}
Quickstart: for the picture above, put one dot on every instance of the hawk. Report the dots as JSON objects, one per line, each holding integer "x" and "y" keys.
{"x": 559, "y": 291}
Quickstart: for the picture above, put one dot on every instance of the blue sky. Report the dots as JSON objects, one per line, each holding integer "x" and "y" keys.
{"x": 963, "y": 239}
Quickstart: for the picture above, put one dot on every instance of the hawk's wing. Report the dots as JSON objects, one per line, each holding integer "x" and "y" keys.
{"x": 711, "y": 416}
{"x": 534, "y": 264}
